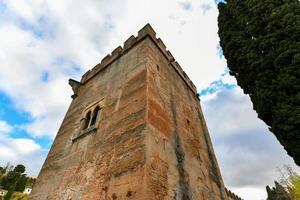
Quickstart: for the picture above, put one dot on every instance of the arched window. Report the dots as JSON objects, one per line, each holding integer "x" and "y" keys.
{"x": 86, "y": 120}
{"x": 95, "y": 115}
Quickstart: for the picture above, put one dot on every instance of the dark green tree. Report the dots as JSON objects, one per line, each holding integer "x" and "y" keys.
{"x": 15, "y": 180}
{"x": 277, "y": 193}
{"x": 20, "y": 169}
{"x": 2, "y": 175}
{"x": 8, "y": 194}
{"x": 9, "y": 181}
{"x": 2, "y": 170}
{"x": 261, "y": 42}
{"x": 21, "y": 183}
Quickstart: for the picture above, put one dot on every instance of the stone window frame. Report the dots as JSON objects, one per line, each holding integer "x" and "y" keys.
{"x": 89, "y": 120}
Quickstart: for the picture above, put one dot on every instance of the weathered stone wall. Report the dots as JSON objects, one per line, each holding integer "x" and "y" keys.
{"x": 94, "y": 166}
{"x": 177, "y": 138}
{"x": 150, "y": 140}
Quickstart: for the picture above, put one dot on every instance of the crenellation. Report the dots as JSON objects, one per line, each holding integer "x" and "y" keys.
{"x": 105, "y": 60}
{"x": 117, "y": 51}
{"x": 84, "y": 76}
{"x": 132, "y": 41}
{"x": 193, "y": 85}
{"x": 91, "y": 72}
{"x": 146, "y": 30}
{"x": 161, "y": 44}
{"x": 143, "y": 141}
{"x": 115, "y": 54}
{"x": 170, "y": 56}
{"x": 185, "y": 75}
{"x": 178, "y": 67}
{"x": 129, "y": 42}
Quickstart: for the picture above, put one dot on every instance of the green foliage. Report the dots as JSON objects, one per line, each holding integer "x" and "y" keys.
{"x": 289, "y": 186}
{"x": 10, "y": 180}
{"x": 19, "y": 196}
{"x": 2, "y": 170}
{"x": 295, "y": 186}
{"x": 260, "y": 40}
{"x": 19, "y": 169}
{"x": 21, "y": 183}
{"x": 277, "y": 193}
{"x": 2, "y": 174}
{"x": 9, "y": 194}
{"x": 16, "y": 196}
{"x": 14, "y": 181}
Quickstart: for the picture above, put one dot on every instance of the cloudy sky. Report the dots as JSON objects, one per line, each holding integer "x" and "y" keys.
{"x": 45, "y": 42}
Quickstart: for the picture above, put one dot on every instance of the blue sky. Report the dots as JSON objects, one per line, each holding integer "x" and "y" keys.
{"x": 218, "y": 85}
{"x": 44, "y": 43}
{"x": 18, "y": 118}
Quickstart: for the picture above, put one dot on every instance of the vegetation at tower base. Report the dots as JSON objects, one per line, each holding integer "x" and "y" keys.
{"x": 287, "y": 189}
{"x": 261, "y": 42}
{"x": 14, "y": 180}
{"x": 288, "y": 184}
{"x": 277, "y": 193}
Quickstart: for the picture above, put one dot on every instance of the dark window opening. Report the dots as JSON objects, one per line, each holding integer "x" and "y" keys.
{"x": 95, "y": 115}
{"x": 157, "y": 67}
{"x": 86, "y": 120}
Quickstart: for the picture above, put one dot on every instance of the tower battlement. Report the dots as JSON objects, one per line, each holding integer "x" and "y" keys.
{"x": 146, "y": 31}
{"x": 134, "y": 130}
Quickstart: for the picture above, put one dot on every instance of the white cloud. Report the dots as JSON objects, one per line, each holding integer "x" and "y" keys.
{"x": 58, "y": 40}
{"x": 227, "y": 79}
{"x": 230, "y": 111}
{"x": 5, "y": 127}
{"x": 251, "y": 193}
{"x": 18, "y": 147}
{"x": 186, "y": 5}
{"x": 53, "y": 39}
{"x": 190, "y": 36}
{"x": 205, "y": 7}
{"x": 20, "y": 150}
{"x": 248, "y": 154}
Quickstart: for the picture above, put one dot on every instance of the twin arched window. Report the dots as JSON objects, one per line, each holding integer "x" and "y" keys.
{"x": 86, "y": 120}
{"x": 91, "y": 118}
{"x": 95, "y": 115}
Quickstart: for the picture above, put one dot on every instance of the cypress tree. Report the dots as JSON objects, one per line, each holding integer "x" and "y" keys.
{"x": 21, "y": 183}
{"x": 261, "y": 42}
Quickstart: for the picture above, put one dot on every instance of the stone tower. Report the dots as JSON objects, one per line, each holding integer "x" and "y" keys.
{"x": 134, "y": 130}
